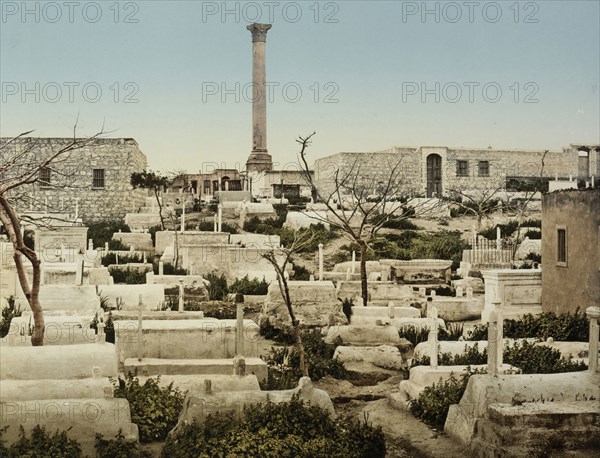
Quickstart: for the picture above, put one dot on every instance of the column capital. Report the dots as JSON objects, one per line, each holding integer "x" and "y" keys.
{"x": 259, "y": 31}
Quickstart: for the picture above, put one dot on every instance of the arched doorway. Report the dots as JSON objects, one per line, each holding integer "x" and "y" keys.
{"x": 434, "y": 175}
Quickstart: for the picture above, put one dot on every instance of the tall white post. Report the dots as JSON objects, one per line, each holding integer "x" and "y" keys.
{"x": 140, "y": 334}
{"x": 498, "y": 238}
{"x": 181, "y": 298}
{"x": 492, "y": 348}
{"x": 215, "y": 223}
{"x": 353, "y": 261}
{"x": 183, "y": 214}
{"x": 320, "y": 262}
{"x": 161, "y": 268}
{"x": 239, "y": 330}
{"x": 593, "y": 314}
{"x": 220, "y": 218}
{"x": 433, "y": 337}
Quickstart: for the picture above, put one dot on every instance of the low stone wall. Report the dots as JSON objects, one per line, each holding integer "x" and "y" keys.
{"x": 141, "y": 221}
{"x": 23, "y": 390}
{"x": 207, "y": 338}
{"x": 299, "y": 220}
{"x": 255, "y": 240}
{"x": 314, "y": 303}
{"x": 363, "y": 336}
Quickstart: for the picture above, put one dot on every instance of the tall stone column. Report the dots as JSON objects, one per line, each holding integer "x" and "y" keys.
{"x": 259, "y": 159}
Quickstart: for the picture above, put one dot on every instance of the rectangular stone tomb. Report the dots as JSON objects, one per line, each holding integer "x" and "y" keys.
{"x": 152, "y": 295}
{"x": 58, "y": 362}
{"x": 83, "y": 418}
{"x": 204, "y": 367}
{"x": 208, "y": 338}
{"x": 65, "y": 297}
{"x": 58, "y": 330}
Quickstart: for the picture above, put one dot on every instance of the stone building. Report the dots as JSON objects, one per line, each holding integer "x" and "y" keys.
{"x": 570, "y": 250}
{"x": 91, "y": 183}
{"x": 207, "y": 185}
{"x": 432, "y": 170}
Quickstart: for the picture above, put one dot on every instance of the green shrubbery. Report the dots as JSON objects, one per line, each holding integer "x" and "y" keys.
{"x": 168, "y": 269}
{"x": 128, "y": 276}
{"x": 415, "y": 335}
{"x": 433, "y": 403}
{"x": 155, "y": 409}
{"x": 250, "y": 287}
{"x": 209, "y": 226}
{"x": 218, "y": 289}
{"x": 8, "y": 313}
{"x": 411, "y": 245}
{"x": 102, "y": 232}
{"x": 111, "y": 259}
{"x": 283, "y": 430}
{"x": 564, "y": 327}
{"x": 284, "y": 362}
{"x": 505, "y": 229}
{"x": 526, "y": 356}
{"x": 40, "y": 444}
{"x": 119, "y": 447}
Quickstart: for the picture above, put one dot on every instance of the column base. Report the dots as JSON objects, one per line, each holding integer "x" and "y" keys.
{"x": 259, "y": 161}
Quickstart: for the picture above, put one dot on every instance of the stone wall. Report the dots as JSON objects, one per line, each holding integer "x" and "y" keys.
{"x": 119, "y": 157}
{"x": 576, "y": 283}
{"x": 413, "y": 166}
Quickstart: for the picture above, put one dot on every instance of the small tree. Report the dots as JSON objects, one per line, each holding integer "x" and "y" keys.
{"x": 480, "y": 203}
{"x": 280, "y": 258}
{"x": 154, "y": 182}
{"x": 19, "y": 169}
{"x": 374, "y": 200}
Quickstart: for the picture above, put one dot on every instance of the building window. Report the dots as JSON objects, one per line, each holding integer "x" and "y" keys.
{"x": 484, "y": 168}
{"x": 44, "y": 177}
{"x": 98, "y": 179}
{"x": 561, "y": 246}
{"x": 462, "y": 168}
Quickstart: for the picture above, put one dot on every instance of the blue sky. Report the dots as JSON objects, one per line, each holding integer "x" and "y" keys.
{"x": 506, "y": 74}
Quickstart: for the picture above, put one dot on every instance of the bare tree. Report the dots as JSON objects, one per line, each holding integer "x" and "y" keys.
{"x": 480, "y": 203}
{"x": 373, "y": 201}
{"x": 19, "y": 168}
{"x": 280, "y": 259}
{"x": 521, "y": 205}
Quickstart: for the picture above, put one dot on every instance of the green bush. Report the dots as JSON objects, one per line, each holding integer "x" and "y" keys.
{"x": 41, "y": 444}
{"x": 8, "y": 313}
{"x": 415, "y": 335}
{"x": 102, "y": 232}
{"x": 539, "y": 359}
{"x": 284, "y": 363}
{"x": 533, "y": 235}
{"x": 155, "y": 409}
{"x": 347, "y": 305}
{"x": 301, "y": 273}
{"x": 286, "y": 430}
{"x": 111, "y": 258}
{"x": 209, "y": 226}
{"x": 250, "y": 287}
{"x": 119, "y": 447}
{"x": 217, "y": 290}
{"x": 505, "y": 229}
{"x": 453, "y": 331}
{"x": 168, "y": 269}
{"x": 128, "y": 276}
{"x": 564, "y": 327}
{"x": 117, "y": 245}
{"x": 433, "y": 403}
{"x": 268, "y": 331}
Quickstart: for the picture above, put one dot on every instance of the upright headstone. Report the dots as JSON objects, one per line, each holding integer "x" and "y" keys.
{"x": 239, "y": 330}
{"x": 320, "y": 262}
{"x": 433, "y": 337}
{"x": 391, "y": 310}
{"x": 593, "y": 314}
{"x": 181, "y": 298}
